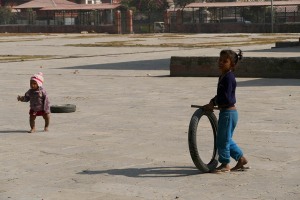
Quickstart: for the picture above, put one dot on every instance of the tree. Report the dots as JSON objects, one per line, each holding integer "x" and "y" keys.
{"x": 12, "y": 2}
{"x": 184, "y": 3}
{"x": 6, "y": 16}
{"x": 145, "y": 5}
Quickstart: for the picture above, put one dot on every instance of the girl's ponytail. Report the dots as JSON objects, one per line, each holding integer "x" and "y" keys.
{"x": 238, "y": 56}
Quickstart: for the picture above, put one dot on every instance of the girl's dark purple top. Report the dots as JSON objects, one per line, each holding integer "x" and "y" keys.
{"x": 226, "y": 91}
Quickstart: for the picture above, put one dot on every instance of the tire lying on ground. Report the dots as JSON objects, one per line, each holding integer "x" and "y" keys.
{"x": 63, "y": 108}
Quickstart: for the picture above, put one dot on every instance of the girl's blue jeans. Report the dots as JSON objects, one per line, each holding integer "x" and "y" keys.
{"x": 226, "y": 146}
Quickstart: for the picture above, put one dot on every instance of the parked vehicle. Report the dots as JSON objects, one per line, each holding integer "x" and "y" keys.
{"x": 159, "y": 27}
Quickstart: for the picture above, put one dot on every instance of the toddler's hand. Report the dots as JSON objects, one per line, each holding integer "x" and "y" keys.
{"x": 19, "y": 98}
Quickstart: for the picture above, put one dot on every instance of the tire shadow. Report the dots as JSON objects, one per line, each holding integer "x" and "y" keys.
{"x": 13, "y": 131}
{"x": 149, "y": 172}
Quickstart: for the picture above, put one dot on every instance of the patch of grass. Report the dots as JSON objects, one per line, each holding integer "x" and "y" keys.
{"x": 165, "y": 36}
{"x": 138, "y": 43}
{"x": 21, "y": 34}
{"x": 279, "y": 34}
{"x": 238, "y": 35}
{"x": 268, "y": 40}
{"x": 182, "y": 45}
{"x": 17, "y": 58}
{"x": 110, "y": 44}
{"x": 21, "y": 40}
{"x": 92, "y": 35}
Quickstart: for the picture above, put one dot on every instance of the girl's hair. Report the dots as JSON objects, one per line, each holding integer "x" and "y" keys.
{"x": 233, "y": 56}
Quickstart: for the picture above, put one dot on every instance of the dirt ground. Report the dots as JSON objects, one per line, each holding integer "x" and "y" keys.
{"x": 127, "y": 139}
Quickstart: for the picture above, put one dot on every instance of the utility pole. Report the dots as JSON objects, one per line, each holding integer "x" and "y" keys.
{"x": 111, "y": 12}
{"x": 272, "y": 17}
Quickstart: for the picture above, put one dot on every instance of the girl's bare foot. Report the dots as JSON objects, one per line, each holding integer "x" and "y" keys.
{"x": 240, "y": 164}
{"x": 222, "y": 168}
{"x": 46, "y": 129}
{"x": 31, "y": 131}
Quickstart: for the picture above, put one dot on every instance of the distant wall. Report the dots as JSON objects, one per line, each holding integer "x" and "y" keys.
{"x": 179, "y": 28}
{"x": 57, "y": 29}
{"x": 257, "y": 67}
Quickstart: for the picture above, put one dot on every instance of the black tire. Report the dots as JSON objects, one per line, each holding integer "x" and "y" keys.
{"x": 192, "y": 135}
{"x": 63, "y": 108}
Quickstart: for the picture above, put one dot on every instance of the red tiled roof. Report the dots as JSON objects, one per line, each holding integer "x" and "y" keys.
{"x": 44, "y": 3}
{"x": 243, "y": 4}
{"x": 102, "y": 6}
{"x": 65, "y": 5}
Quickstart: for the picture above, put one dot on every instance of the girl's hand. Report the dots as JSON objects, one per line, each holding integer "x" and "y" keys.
{"x": 208, "y": 107}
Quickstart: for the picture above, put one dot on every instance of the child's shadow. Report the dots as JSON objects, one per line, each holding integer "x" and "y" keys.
{"x": 153, "y": 172}
{"x": 13, "y": 131}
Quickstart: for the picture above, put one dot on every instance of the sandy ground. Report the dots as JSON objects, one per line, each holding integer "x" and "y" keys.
{"x": 127, "y": 139}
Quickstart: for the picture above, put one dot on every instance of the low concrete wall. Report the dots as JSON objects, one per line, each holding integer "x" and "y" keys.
{"x": 287, "y": 44}
{"x": 257, "y": 67}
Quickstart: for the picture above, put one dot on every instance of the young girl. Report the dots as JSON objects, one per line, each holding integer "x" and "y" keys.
{"x": 39, "y": 101}
{"x": 228, "y": 117}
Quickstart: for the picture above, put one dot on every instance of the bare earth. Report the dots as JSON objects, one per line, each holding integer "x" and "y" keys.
{"x": 127, "y": 139}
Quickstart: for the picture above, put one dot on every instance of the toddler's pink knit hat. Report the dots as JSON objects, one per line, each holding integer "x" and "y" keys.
{"x": 38, "y": 78}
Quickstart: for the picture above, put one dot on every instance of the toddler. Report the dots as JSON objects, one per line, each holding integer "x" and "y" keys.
{"x": 39, "y": 101}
